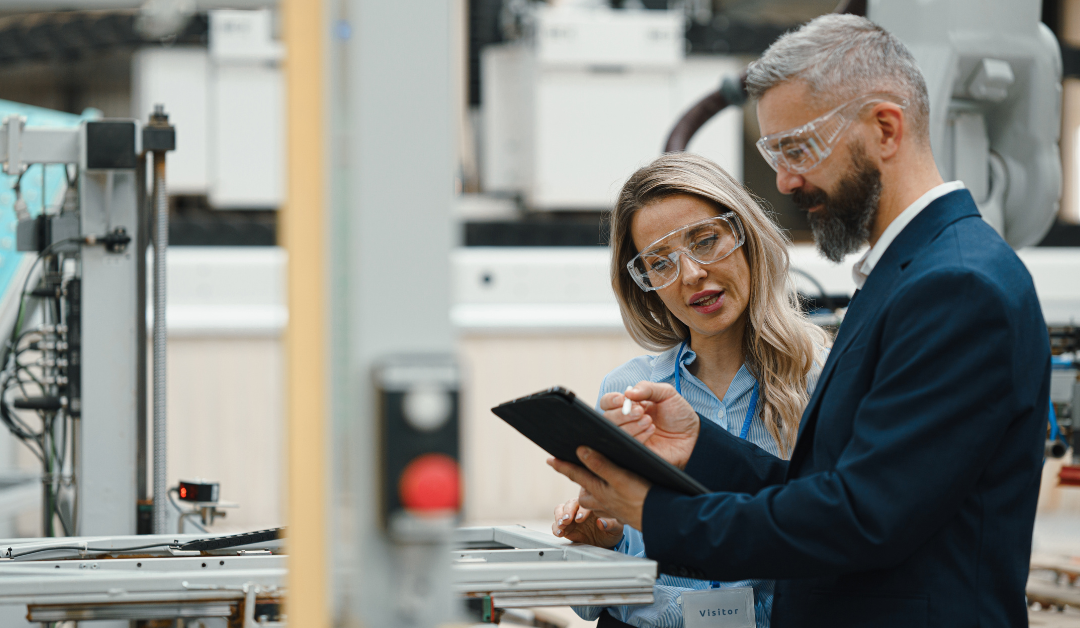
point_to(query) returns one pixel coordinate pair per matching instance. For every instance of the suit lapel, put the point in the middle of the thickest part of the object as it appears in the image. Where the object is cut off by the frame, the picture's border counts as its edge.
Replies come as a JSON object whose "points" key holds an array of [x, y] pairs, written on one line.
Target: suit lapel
{"points": [[923, 229]]}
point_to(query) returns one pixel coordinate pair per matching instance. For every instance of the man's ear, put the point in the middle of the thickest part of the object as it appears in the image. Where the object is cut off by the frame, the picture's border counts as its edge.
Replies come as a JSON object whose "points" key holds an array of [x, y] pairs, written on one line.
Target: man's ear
{"points": [[889, 122]]}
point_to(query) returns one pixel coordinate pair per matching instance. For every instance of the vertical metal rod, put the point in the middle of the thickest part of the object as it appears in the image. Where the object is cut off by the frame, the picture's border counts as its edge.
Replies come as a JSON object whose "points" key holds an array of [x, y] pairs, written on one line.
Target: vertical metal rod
{"points": [[142, 427], [161, 243]]}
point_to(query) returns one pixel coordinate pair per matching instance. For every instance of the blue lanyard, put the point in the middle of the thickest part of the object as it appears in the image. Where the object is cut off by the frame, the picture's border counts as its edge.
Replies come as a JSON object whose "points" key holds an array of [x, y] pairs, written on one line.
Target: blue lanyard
{"points": [[745, 431], [742, 433]]}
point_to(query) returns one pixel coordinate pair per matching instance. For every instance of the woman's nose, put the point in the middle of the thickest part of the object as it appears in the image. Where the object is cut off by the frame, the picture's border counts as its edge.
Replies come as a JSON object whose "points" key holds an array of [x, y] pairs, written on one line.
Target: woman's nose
{"points": [[691, 270], [787, 181]]}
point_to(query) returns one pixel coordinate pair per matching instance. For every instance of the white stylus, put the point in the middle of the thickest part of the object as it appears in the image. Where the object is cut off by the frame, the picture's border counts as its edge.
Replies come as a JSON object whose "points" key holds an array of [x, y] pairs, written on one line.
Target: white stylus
{"points": [[626, 404]]}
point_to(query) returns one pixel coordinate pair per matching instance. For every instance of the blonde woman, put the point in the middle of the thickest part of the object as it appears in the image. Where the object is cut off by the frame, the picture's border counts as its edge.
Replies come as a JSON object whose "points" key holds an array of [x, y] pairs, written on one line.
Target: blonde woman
{"points": [[701, 276]]}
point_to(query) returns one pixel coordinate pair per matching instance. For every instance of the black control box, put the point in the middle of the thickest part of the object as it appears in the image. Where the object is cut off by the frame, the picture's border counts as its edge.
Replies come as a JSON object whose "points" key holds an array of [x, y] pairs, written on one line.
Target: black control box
{"points": [[418, 399]]}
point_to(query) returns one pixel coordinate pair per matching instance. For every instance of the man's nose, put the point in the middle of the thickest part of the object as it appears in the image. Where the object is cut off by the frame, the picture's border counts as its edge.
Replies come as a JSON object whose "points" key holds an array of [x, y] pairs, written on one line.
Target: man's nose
{"points": [[787, 181], [691, 271]]}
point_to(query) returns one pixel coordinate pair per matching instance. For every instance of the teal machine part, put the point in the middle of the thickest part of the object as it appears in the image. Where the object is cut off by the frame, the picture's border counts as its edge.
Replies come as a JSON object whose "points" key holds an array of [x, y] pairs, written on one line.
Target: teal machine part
{"points": [[39, 183]]}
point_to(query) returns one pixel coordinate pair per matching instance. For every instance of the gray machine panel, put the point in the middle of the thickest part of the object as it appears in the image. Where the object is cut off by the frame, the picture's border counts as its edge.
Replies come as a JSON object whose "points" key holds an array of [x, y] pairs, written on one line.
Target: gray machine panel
{"points": [[107, 489]]}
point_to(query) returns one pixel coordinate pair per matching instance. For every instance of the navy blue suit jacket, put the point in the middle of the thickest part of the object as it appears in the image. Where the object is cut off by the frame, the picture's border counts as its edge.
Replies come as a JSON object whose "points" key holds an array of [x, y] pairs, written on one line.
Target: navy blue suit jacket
{"points": [[910, 496]]}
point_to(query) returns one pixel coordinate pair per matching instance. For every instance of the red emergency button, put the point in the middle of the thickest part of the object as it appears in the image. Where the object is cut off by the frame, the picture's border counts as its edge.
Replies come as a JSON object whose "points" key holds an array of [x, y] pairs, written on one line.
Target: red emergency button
{"points": [[1069, 476], [431, 482]]}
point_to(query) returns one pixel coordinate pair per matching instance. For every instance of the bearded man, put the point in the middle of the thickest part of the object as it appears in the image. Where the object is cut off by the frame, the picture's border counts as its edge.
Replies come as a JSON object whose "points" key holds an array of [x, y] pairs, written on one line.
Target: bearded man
{"points": [[910, 496]]}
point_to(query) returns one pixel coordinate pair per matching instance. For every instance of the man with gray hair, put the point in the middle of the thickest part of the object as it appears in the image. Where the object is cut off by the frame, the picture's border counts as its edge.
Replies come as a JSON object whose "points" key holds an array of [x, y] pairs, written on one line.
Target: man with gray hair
{"points": [[841, 65], [910, 496]]}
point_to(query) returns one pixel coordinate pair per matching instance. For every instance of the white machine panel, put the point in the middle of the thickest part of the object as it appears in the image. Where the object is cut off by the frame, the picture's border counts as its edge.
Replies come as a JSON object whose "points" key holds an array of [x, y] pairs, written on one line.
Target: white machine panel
{"points": [[566, 138], [602, 37], [243, 36], [592, 129], [525, 289], [227, 103], [507, 106], [499, 289], [177, 77], [247, 153]]}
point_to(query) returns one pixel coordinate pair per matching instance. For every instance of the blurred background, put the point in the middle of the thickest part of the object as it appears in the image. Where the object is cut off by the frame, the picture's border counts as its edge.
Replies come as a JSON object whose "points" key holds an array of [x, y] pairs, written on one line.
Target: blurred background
{"points": [[551, 105]]}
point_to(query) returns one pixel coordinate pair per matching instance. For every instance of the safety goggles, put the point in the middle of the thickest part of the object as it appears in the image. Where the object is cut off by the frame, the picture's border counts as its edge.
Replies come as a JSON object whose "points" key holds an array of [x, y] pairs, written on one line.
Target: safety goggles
{"points": [[801, 149], [706, 242]]}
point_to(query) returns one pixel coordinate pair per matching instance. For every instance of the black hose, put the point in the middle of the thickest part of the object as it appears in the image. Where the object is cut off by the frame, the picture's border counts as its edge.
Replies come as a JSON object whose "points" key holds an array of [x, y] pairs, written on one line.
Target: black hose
{"points": [[732, 92], [852, 7]]}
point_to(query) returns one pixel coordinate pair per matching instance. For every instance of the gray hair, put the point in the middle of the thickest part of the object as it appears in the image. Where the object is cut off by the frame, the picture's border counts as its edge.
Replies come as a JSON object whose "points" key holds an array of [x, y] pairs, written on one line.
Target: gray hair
{"points": [[840, 57]]}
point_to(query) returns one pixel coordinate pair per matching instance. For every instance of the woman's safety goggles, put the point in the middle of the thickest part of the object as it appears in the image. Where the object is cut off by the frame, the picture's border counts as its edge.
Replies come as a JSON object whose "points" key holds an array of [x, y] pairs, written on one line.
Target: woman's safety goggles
{"points": [[801, 149], [706, 242]]}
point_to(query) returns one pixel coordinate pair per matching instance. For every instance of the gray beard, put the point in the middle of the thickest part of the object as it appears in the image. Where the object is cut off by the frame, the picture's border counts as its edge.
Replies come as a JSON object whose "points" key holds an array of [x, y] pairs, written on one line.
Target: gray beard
{"points": [[843, 224]]}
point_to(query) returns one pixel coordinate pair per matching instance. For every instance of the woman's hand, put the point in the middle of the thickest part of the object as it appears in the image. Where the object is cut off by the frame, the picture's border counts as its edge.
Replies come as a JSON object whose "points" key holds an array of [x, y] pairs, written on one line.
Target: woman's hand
{"points": [[582, 525], [659, 417]]}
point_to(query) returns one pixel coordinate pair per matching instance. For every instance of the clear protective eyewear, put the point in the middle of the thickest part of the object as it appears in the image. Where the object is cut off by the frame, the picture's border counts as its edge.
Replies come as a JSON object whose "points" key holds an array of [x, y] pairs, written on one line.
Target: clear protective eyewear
{"points": [[803, 148], [705, 241]]}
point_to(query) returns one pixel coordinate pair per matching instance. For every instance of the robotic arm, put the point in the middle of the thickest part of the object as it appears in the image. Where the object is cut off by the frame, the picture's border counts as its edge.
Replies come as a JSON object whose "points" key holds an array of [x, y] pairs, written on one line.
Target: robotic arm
{"points": [[993, 71]]}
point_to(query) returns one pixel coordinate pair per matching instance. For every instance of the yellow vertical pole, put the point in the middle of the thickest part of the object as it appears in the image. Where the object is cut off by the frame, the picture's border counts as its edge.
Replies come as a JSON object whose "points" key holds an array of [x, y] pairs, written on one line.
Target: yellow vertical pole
{"points": [[303, 233]]}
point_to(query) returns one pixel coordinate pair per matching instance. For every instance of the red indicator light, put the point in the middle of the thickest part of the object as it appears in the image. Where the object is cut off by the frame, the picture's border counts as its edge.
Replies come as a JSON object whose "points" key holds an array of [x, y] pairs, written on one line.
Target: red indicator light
{"points": [[431, 482], [183, 492]]}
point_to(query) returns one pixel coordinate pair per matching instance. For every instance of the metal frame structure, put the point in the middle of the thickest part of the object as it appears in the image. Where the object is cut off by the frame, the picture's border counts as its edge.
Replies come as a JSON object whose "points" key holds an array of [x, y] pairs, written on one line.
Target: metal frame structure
{"points": [[519, 568], [141, 584], [110, 320], [507, 567]]}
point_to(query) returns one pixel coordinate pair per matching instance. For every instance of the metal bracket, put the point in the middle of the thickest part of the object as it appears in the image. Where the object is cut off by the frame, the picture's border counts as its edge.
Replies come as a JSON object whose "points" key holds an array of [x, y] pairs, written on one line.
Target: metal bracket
{"points": [[176, 551], [14, 126]]}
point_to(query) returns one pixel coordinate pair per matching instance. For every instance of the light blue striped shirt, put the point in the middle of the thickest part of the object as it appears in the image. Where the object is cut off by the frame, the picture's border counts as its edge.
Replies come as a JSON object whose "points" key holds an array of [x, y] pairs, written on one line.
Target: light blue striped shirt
{"points": [[729, 413]]}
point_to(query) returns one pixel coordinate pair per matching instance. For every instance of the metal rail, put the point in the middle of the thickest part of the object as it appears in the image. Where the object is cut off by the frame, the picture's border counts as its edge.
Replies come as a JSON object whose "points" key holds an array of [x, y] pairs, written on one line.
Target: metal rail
{"points": [[161, 244]]}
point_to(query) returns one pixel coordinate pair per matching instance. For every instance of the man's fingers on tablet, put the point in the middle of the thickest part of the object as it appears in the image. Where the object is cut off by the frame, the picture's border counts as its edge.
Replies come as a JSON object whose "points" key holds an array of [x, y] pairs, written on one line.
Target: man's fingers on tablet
{"points": [[593, 460], [578, 475], [601, 467]]}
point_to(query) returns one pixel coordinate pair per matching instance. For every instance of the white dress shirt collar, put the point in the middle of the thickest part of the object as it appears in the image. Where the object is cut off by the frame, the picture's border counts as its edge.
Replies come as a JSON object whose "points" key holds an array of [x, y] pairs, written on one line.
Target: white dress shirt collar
{"points": [[866, 263]]}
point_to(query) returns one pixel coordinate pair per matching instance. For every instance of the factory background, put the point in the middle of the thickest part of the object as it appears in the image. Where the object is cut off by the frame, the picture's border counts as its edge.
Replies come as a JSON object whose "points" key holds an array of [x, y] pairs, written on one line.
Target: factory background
{"points": [[545, 133]]}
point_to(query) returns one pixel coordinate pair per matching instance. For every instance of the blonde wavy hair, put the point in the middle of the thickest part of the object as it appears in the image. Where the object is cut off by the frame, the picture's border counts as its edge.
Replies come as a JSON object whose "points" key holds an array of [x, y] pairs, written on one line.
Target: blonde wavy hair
{"points": [[781, 345]]}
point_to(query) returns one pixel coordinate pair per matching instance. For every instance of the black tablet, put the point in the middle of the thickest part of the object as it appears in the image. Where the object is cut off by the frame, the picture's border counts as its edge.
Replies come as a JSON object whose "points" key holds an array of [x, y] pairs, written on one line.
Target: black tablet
{"points": [[559, 422]]}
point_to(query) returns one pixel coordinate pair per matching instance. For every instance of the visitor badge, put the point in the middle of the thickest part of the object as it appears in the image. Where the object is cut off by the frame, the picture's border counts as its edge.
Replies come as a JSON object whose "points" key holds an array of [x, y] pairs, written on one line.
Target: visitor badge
{"points": [[719, 608]]}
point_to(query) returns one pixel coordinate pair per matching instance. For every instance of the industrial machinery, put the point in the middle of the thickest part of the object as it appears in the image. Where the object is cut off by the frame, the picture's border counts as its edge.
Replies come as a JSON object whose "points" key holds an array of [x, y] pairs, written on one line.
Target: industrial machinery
{"points": [[994, 80], [1065, 401], [74, 385], [76, 357]]}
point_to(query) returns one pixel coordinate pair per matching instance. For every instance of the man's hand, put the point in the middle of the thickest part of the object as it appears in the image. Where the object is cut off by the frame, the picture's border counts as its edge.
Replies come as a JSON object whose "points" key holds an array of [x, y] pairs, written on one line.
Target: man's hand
{"points": [[658, 417], [582, 525], [606, 487]]}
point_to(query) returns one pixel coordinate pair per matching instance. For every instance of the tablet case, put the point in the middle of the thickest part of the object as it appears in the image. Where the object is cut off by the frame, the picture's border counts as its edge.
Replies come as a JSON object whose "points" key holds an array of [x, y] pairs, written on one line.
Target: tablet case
{"points": [[559, 422]]}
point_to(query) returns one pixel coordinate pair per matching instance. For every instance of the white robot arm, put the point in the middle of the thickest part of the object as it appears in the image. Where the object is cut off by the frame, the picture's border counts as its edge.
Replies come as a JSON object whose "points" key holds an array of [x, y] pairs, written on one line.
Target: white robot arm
{"points": [[993, 71]]}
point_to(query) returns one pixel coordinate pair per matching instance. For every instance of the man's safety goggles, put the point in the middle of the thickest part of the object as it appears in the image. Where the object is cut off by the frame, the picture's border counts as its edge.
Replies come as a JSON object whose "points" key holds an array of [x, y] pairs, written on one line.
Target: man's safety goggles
{"points": [[801, 149], [706, 242]]}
